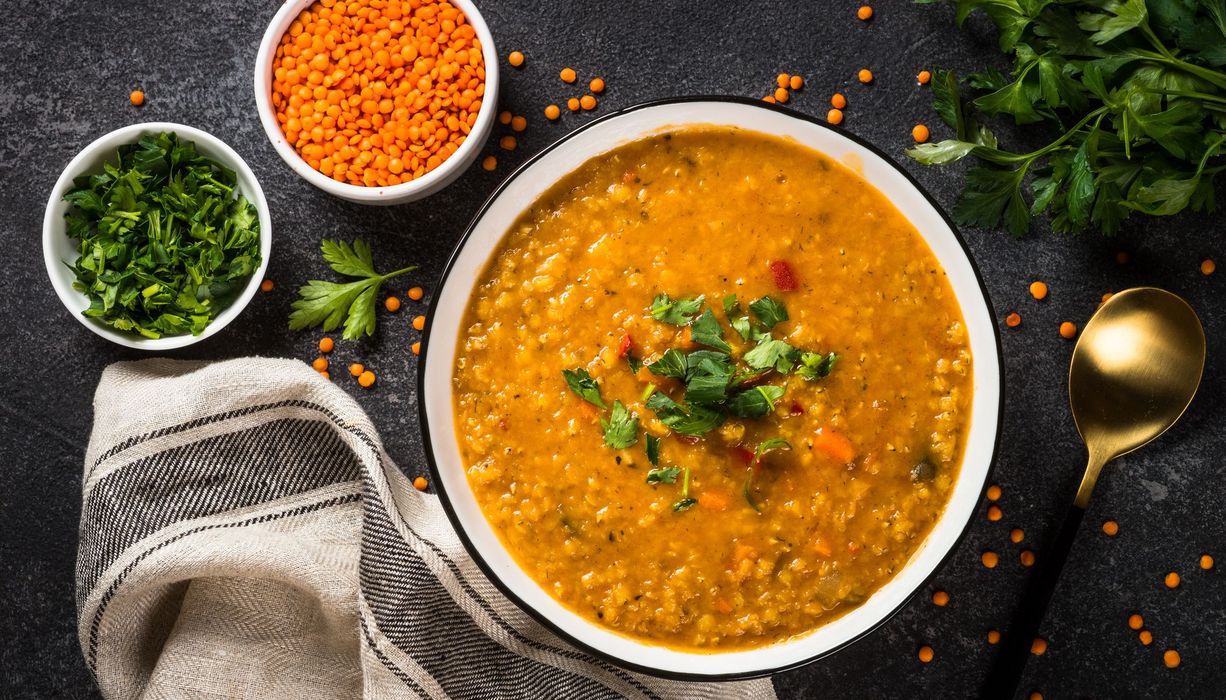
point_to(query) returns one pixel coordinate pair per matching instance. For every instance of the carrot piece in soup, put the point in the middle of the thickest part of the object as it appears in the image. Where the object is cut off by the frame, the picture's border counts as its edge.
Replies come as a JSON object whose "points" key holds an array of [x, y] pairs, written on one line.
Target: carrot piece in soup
{"points": [[835, 445]]}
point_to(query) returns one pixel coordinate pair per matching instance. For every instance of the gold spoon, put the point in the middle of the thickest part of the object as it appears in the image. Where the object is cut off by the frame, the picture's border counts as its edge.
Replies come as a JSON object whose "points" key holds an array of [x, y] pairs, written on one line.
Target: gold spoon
{"points": [[1134, 371]]}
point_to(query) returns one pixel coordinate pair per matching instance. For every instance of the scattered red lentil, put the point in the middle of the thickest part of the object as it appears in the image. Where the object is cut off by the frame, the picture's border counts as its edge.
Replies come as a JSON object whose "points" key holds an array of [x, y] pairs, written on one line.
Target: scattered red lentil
{"points": [[1146, 637], [994, 492], [587, 102], [835, 116], [1036, 695], [923, 78], [504, 117], [568, 75], [137, 98], [1170, 657], [1068, 330], [507, 143], [1111, 528], [326, 344], [989, 559], [1171, 580], [940, 598], [1207, 267], [1206, 562], [925, 654], [838, 101], [796, 82], [266, 286], [1038, 290], [416, 293], [519, 123], [356, 369], [516, 59], [596, 85], [1016, 535], [1026, 557], [1039, 646], [769, 99], [994, 513], [1135, 621], [320, 364], [993, 637], [573, 104], [1106, 296], [419, 322], [781, 95], [919, 132], [865, 13], [1013, 320], [782, 79], [416, 348], [366, 379], [325, 375], [489, 163], [392, 304], [865, 76], [552, 112], [420, 483]]}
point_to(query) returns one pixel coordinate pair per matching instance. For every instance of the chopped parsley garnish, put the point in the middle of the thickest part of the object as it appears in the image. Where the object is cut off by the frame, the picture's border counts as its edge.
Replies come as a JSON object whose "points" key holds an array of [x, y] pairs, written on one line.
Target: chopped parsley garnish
{"points": [[685, 503], [584, 385], [653, 449], [814, 365], [621, 430], [678, 312], [755, 402], [706, 331], [771, 353], [762, 448], [666, 475], [635, 363], [690, 420], [671, 364], [771, 312]]}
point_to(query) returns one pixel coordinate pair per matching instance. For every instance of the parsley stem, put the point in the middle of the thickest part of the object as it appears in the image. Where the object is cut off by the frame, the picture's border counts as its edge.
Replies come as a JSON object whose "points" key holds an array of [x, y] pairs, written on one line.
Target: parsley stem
{"points": [[685, 484], [647, 392], [397, 273]]}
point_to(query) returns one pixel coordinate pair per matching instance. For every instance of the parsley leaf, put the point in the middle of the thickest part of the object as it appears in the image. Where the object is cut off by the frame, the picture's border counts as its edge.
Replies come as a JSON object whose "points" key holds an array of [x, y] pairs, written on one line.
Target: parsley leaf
{"points": [[666, 475], [671, 364], [653, 449], [635, 363], [755, 402], [621, 430], [327, 304], [678, 312], [584, 385], [690, 420], [769, 311], [772, 353], [814, 365], [706, 331]]}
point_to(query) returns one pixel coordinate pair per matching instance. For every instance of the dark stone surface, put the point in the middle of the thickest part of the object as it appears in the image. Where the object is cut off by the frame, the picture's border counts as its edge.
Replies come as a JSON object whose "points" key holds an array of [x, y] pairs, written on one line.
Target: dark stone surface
{"points": [[67, 68]]}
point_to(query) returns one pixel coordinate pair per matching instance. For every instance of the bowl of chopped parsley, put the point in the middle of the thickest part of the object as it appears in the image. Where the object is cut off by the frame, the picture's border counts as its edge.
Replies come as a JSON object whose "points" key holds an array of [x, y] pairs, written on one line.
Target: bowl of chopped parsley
{"points": [[156, 236]]}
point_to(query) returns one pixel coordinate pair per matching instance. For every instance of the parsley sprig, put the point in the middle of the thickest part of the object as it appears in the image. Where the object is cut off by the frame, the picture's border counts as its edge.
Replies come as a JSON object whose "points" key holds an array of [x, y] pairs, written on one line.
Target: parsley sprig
{"points": [[1133, 92], [327, 304]]}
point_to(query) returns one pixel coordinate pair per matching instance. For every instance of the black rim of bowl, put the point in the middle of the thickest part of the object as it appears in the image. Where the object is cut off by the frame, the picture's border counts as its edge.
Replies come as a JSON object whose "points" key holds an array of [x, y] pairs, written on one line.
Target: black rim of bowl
{"points": [[540, 617]]}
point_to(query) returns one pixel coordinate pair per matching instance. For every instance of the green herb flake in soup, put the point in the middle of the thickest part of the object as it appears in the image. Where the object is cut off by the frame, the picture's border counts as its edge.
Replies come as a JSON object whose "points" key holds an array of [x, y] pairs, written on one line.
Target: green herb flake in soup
{"points": [[783, 342]]}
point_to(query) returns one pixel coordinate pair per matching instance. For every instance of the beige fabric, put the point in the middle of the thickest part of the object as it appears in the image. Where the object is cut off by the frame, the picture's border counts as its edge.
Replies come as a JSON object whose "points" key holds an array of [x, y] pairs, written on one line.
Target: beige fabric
{"points": [[243, 535]]}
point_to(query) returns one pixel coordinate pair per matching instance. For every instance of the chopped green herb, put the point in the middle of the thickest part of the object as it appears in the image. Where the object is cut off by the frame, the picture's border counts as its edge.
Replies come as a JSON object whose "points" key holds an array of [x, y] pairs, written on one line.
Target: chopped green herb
{"points": [[653, 449], [164, 242], [745, 328], [684, 505], [326, 304], [755, 402], [762, 448], [699, 362], [678, 312], [772, 353], [768, 445], [584, 385], [647, 392], [692, 420], [731, 306], [769, 311], [621, 430], [635, 363], [671, 364], [814, 366], [706, 331], [666, 475], [686, 502]]}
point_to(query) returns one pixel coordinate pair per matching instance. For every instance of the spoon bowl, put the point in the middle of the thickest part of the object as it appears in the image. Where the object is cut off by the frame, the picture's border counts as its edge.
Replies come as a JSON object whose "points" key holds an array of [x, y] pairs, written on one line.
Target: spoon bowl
{"points": [[1134, 372]]}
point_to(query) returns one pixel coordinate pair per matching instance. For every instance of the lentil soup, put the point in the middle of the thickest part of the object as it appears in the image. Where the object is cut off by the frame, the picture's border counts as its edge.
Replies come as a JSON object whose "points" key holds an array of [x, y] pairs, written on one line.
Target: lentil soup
{"points": [[712, 390]]}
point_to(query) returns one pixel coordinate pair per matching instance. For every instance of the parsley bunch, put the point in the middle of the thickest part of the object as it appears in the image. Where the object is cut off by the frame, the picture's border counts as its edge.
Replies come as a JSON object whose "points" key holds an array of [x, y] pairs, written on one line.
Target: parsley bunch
{"points": [[1131, 91], [164, 243]]}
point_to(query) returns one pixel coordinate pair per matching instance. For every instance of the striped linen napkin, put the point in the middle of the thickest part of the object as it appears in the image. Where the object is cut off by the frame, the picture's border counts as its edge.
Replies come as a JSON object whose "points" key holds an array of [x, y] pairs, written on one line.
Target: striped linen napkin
{"points": [[244, 535]]}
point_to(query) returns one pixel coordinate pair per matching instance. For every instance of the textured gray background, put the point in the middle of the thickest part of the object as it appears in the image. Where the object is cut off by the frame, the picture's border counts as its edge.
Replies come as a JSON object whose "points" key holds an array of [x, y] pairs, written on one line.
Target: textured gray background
{"points": [[67, 68]]}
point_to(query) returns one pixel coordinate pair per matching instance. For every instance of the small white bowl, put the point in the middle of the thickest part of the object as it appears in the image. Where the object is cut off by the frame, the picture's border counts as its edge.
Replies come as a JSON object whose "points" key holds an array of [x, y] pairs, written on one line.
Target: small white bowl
{"points": [[483, 237], [427, 184], [59, 250]]}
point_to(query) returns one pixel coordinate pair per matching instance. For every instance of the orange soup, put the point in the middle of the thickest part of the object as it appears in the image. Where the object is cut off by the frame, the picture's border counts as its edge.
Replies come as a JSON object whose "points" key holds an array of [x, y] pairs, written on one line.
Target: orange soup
{"points": [[712, 389]]}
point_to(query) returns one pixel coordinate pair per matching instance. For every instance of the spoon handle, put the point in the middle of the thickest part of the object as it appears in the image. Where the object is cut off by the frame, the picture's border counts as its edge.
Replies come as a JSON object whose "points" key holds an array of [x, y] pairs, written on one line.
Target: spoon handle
{"points": [[1007, 670]]}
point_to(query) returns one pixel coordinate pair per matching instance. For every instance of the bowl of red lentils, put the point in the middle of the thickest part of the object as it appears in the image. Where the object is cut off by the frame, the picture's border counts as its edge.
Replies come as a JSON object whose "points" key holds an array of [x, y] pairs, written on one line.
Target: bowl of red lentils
{"points": [[377, 101]]}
